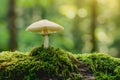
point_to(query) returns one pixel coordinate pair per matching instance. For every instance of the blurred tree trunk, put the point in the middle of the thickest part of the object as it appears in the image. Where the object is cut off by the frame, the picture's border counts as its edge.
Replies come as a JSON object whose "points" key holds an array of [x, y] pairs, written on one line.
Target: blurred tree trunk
{"points": [[41, 8], [93, 26], [76, 33], [11, 26], [43, 13]]}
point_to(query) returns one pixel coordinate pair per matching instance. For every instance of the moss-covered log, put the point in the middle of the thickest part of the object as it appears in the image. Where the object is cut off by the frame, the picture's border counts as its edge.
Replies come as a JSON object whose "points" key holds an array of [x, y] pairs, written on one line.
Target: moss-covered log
{"points": [[56, 64]]}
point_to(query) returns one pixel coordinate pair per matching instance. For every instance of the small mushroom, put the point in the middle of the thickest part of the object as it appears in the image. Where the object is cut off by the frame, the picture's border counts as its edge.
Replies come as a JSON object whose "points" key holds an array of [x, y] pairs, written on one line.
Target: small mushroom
{"points": [[44, 27]]}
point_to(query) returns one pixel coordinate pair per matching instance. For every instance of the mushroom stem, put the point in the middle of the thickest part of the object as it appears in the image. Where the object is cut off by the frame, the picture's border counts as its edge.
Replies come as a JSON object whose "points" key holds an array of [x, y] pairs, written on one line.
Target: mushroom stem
{"points": [[46, 41]]}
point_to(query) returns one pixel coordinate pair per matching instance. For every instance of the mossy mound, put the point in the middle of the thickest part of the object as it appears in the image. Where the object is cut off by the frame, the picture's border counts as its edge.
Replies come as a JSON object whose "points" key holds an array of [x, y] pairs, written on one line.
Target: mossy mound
{"points": [[103, 66], [58, 63], [40, 64]]}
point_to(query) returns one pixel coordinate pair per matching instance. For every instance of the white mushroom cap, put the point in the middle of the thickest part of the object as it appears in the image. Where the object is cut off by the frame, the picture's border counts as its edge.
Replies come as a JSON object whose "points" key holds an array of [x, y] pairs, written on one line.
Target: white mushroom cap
{"points": [[44, 26]]}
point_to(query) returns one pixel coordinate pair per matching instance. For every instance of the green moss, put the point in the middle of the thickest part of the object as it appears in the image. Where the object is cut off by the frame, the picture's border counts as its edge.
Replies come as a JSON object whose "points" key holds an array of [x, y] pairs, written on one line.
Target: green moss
{"points": [[40, 64], [56, 64], [103, 66]]}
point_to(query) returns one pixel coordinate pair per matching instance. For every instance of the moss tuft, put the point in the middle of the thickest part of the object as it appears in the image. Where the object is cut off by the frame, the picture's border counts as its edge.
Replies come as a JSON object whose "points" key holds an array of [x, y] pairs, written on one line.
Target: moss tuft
{"points": [[59, 63]]}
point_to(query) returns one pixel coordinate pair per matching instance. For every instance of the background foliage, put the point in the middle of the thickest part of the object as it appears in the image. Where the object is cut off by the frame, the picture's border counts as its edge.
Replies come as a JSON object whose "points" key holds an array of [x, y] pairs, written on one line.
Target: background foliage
{"points": [[88, 24]]}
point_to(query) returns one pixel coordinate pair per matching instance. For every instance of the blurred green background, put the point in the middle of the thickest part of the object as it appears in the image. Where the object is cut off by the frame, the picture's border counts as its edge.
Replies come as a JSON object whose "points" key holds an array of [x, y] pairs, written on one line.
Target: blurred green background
{"points": [[90, 25]]}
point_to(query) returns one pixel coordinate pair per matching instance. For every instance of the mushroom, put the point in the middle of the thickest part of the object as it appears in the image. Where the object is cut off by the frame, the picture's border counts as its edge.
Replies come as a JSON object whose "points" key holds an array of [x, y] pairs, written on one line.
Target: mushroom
{"points": [[44, 27]]}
